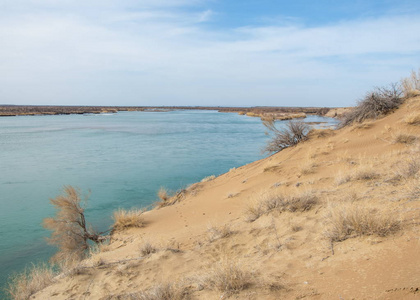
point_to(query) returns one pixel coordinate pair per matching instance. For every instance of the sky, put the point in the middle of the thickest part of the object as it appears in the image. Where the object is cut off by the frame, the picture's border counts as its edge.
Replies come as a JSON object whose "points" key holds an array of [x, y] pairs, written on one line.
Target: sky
{"points": [[204, 52]]}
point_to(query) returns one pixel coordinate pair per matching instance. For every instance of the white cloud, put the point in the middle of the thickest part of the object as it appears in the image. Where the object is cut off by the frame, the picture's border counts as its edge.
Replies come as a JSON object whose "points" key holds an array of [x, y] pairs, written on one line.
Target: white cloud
{"points": [[152, 54]]}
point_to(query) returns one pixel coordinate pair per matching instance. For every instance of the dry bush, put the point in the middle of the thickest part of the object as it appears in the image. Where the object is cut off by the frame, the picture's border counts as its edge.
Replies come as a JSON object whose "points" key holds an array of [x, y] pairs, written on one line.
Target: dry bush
{"points": [[70, 231], [413, 119], [403, 138], [353, 220], [163, 194], [409, 170], [23, 285], [226, 276], [294, 133], [166, 199], [379, 102], [216, 233], [208, 178], [269, 203], [163, 291], [365, 175], [147, 249], [124, 219], [411, 84]]}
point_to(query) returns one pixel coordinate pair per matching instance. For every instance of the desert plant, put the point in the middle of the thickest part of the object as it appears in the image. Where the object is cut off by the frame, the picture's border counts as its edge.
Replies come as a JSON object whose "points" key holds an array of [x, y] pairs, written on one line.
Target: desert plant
{"points": [[411, 84], [125, 219], [413, 119], [162, 291], [403, 138], [356, 221], [147, 249], [216, 233], [294, 133], [380, 101], [208, 178], [21, 286], [70, 231], [226, 276]]}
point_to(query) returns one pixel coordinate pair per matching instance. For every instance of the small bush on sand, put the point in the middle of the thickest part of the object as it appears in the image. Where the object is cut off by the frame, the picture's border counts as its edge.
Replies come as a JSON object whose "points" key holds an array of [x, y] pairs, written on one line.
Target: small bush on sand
{"points": [[269, 203], [22, 286], [208, 178], [379, 102], [357, 221], [146, 249], [294, 133], [413, 119], [411, 84], [70, 231], [403, 138], [162, 291], [226, 276], [216, 233], [124, 219]]}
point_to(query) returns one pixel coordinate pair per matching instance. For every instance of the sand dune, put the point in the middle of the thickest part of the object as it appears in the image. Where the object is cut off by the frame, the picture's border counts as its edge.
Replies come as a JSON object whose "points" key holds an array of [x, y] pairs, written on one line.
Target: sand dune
{"points": [[276, 228]]}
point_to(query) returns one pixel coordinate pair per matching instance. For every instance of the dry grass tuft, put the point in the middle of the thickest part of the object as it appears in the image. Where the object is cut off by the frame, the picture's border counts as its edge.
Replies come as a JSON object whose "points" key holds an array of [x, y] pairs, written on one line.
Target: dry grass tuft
{"points": [[365, 175], [124, 219], [208, 178], [413, 119], [22, 286], [147, 249], [216, 233], [353, 221], [405, 139], [411, 84], [226, 276], [163, 194], [269, 203], [163, 291], [408, 170]]}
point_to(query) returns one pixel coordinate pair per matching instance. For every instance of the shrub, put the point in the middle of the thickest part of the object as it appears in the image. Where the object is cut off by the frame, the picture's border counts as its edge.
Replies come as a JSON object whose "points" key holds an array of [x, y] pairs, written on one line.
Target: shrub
{"points": [[356, 221], [216, 233], [125, 219], [380, 101], [294, 133], [403, 138], [70, 231], [411, 84], [22, 286], [413, 119], [147, 249], [227, 276]]}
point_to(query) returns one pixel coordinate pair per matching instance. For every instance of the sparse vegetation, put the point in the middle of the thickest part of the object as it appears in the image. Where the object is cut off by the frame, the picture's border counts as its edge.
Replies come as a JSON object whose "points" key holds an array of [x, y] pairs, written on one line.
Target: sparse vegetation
{"points": [[413, 119], [208, 178], [216, 233], [411, 84], [21, 286], [378, 102], [294, 133], [353, 220], [269, 203], [227, 276], [147, 249], [70, 231], [162, 291], [124, 219], [403, 138]]}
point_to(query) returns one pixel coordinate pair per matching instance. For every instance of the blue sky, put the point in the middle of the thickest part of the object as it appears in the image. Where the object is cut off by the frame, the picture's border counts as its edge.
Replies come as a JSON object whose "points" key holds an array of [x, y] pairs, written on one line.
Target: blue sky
{"points": [[204, 52]]}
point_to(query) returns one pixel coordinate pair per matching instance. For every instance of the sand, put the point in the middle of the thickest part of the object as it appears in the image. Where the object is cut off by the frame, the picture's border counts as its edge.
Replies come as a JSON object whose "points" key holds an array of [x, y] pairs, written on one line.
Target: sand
{"points": [[286, 253]]}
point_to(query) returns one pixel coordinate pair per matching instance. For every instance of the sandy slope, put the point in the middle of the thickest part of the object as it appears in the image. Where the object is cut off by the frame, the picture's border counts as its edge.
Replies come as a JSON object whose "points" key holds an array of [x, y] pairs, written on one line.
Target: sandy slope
{"points": [[288, 254]]}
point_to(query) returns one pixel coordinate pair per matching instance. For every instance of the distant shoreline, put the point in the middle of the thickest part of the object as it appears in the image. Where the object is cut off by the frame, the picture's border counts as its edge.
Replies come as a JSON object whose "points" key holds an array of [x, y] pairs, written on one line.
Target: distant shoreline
{"points": [[282, 113]]}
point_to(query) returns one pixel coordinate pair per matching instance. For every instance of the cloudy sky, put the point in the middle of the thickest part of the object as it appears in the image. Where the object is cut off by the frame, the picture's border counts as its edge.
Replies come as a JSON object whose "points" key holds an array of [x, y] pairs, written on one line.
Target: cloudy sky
{"points": [[204, 52]]}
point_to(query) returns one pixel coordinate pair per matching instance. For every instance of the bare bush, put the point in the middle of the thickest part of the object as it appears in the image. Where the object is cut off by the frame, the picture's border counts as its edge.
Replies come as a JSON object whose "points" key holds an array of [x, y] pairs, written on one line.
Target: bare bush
{"points": [[380, 101], [356, 221], [125, 219], [23, 285], [294, 133], [70, 231]]}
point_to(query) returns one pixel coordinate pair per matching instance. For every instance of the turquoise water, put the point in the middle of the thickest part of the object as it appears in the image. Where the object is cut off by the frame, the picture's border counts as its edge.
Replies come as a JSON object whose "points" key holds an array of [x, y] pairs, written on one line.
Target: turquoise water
{"points": [[123, 159]]}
